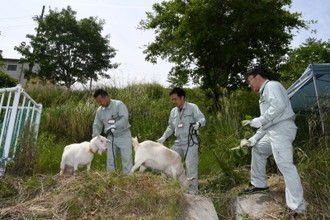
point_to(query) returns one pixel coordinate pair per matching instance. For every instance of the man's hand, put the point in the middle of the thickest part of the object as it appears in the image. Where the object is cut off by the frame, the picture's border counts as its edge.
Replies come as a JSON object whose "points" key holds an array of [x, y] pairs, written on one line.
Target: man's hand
{"points": [[111, 129], [161, 140], [252, 142], [196, 126], [256, 123]]}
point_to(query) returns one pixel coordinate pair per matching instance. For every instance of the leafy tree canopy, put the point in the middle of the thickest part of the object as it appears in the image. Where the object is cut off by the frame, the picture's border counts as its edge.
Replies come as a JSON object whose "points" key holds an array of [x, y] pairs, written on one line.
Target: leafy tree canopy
{"points": [[312, 51], [68, 50], [213, 42]]}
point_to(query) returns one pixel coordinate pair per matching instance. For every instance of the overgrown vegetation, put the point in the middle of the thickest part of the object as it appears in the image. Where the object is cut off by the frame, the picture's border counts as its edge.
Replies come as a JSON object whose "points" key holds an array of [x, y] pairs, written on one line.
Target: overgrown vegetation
{"points": [[90, 196], [25, 161], [68, 116]]}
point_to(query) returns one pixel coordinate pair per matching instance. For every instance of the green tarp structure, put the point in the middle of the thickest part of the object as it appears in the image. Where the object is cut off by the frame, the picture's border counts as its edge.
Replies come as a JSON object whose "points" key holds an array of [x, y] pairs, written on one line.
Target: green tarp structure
{"points": [[310, 94]]}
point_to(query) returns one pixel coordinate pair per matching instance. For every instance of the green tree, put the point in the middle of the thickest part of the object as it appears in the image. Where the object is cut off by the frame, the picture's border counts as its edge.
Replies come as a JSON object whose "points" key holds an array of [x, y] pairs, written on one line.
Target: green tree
{"points": [[213, 42], [312, 51], [5, 80], [68, 50]]}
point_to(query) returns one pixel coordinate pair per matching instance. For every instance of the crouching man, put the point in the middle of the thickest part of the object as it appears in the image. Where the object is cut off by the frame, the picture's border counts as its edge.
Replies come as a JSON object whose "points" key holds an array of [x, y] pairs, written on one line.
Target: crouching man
{"points": [[185, 119], [112, 118]]}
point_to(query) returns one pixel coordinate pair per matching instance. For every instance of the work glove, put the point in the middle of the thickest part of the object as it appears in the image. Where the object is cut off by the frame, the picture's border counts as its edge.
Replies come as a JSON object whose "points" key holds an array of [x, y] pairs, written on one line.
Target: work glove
{"points": [[196, 126], [252, 142], [161, 140], [111, 128], [256, 123]]}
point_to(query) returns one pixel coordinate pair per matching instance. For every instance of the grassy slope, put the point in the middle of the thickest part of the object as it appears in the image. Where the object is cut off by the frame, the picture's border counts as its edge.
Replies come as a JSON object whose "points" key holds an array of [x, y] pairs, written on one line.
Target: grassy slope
{"points": [[95, 195], [67, 118]]}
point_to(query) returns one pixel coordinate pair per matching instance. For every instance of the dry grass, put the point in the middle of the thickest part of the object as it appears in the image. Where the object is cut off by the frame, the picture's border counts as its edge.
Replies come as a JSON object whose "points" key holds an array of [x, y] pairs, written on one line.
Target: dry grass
{"points": [[90, 196]]}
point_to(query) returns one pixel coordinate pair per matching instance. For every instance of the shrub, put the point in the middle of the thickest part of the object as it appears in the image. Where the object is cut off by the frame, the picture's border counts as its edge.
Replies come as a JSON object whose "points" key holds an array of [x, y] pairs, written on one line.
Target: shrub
{"points": [[6, 81]]}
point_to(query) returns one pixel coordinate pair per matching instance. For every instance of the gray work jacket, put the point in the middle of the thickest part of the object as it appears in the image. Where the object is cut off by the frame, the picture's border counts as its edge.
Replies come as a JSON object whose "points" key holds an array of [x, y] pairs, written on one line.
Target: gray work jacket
{"points": [[116, 114], [274, 104], [179, 122]]}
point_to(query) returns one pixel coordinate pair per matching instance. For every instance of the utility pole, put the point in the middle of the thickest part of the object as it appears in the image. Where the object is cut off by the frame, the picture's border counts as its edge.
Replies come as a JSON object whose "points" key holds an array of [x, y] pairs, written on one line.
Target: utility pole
{"points": [[41, 17]]}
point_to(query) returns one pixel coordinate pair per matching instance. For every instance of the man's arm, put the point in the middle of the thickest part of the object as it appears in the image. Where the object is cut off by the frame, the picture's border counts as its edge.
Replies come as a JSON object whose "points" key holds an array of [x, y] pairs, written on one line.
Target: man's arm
{"points": [[199, 116], [122, 120], [170, 129]]}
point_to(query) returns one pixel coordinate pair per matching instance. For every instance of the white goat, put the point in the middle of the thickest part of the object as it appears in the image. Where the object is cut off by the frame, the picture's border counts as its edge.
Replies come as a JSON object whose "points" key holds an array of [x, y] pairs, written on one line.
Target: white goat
{"points": [[150, 154], [81, 154]]}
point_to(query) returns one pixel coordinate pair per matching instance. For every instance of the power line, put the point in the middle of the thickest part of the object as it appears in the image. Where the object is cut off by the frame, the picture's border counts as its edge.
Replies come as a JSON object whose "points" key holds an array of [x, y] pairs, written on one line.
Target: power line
{"points": [[10, 18], [14, 26], [14, 22]]}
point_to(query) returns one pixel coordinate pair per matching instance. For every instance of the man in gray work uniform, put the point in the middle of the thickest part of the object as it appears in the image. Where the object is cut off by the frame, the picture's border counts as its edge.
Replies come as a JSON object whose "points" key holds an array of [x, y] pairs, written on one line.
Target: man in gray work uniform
{"points": [[275, 134], [181, 117], [112, 117]]}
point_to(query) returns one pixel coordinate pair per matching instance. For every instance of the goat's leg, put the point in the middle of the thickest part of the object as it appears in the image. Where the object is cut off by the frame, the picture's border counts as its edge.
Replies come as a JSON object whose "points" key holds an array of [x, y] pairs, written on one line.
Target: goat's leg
{"points": [[136, 166], [88, 167], [142, 168], [173, 172], [62, 167], [75, 168]]}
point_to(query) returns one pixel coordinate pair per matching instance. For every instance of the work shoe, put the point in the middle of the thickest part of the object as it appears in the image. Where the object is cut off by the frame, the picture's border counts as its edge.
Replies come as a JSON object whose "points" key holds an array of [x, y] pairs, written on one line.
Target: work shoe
{"points": [[290, 214], [192, 192], [254, 189]]}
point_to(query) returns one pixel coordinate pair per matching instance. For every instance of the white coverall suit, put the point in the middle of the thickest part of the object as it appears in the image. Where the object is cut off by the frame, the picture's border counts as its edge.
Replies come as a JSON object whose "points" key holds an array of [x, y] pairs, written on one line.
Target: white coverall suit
{"points": [[179, 122], [275, 136], [115, 114]]}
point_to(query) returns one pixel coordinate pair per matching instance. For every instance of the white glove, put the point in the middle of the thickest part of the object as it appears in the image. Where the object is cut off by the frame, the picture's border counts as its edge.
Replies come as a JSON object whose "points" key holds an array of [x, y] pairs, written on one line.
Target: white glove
{"points": [[161, 140], [111, 129], [252, 141], [196, 125], [256, 123]]}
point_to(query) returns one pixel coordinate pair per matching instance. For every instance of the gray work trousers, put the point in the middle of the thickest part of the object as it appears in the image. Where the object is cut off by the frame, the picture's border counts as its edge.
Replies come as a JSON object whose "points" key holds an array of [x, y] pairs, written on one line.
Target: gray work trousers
{"points": [[278, 142], [191, 163], [124, 144]]}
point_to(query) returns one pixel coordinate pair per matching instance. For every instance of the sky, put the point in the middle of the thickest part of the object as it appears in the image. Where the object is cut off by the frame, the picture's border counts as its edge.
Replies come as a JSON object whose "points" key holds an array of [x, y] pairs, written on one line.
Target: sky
{"points": [[121, 20]]}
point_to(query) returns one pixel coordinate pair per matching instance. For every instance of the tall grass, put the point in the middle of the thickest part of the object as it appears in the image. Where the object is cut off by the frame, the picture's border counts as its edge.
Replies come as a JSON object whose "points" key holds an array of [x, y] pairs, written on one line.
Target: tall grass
{"points": [[25, 158], [71, 121]]}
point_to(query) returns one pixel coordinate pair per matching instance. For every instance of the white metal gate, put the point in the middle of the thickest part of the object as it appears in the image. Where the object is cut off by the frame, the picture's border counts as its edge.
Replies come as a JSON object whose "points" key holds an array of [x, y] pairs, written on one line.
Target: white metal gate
{"points": [[17, 110]]}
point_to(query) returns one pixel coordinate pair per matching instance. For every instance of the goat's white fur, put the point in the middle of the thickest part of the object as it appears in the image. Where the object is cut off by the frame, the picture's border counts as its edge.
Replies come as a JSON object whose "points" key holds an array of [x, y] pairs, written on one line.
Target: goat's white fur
{"points": [[81, 154], [150, 154]]}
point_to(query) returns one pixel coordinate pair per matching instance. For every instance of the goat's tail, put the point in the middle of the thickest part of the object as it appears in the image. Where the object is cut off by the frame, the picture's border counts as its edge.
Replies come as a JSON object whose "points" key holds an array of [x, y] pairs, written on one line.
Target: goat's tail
{"points": [[135, 143]]}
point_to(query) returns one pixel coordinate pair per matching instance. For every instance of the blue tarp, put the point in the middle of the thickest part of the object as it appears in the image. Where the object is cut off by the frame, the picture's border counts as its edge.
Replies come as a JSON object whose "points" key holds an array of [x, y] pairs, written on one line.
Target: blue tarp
{"points": [[311, 92]]}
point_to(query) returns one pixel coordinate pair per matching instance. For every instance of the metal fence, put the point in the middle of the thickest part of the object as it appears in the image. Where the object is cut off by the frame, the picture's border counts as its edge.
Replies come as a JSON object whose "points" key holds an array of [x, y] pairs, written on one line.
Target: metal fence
{"points": [[17, 111]]}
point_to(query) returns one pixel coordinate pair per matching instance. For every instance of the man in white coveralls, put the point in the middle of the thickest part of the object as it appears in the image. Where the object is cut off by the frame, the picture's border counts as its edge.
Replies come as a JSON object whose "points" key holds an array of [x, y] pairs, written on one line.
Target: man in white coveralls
{"points": [[184, 120], [112, 118], [275, 134]]}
